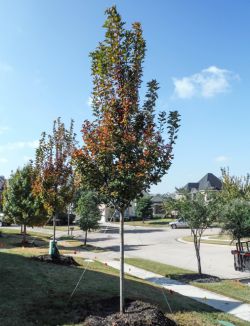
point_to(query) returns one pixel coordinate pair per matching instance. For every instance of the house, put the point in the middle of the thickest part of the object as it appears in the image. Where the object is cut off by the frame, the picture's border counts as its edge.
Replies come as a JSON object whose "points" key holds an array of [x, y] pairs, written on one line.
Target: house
{"points": [[108, 213], [208, 183]]}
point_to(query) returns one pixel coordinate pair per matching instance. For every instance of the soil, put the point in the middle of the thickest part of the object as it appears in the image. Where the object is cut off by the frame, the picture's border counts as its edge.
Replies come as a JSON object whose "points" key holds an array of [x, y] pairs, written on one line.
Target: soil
{"points": [[60, 260], [199, 278], [137, 313]]}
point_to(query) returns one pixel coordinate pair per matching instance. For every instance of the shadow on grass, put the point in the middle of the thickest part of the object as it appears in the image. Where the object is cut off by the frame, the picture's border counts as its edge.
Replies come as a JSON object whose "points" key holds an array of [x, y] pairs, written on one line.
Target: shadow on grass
{"points": [[14, 240], [81, 247], [38, 293]]}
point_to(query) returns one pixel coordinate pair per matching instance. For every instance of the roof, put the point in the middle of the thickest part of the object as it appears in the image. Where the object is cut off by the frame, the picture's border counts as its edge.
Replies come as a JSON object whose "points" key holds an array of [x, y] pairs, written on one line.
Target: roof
{"points": [[208, 182], [191, 185], [157, 199]]}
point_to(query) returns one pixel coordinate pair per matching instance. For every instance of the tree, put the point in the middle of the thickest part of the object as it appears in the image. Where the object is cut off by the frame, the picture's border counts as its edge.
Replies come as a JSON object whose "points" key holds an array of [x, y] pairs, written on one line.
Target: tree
{"points": [[234, 187], [236, 219], [199, 212], [55, 178], [19, 202], [144, 207], [169, 207], [235, 199], [124, 151], [89, 212]]}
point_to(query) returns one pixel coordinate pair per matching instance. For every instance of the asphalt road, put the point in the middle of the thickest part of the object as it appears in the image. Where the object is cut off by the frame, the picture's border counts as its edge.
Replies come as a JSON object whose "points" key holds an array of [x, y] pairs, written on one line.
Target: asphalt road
{"points": [[162, 245]]}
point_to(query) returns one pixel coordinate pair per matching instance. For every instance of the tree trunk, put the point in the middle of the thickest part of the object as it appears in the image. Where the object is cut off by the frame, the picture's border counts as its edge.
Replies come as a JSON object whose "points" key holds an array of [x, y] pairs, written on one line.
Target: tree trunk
{"points": [[122, 261], [54, 226], [56, 252], [24, 233], [85, 239], [21, 229], [240, 260], [197, 251]]}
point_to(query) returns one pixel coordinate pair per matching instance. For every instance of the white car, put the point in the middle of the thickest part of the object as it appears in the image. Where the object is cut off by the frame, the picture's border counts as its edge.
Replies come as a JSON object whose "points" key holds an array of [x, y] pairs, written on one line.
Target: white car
{"points": [[180, 223]]}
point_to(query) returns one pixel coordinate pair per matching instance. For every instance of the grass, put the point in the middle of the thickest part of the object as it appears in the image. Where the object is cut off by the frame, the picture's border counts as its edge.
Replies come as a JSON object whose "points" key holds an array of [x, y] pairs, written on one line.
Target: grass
{"points": [[230, 288], [217, 239], [62, 227], [161, 222], [38, 293], [39, 244]]}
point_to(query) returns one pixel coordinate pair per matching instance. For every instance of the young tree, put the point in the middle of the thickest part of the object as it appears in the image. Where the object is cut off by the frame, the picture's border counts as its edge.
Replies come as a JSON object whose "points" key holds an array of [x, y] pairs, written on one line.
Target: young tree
{"points": [[19, 202], [89, 212], [124, 151], [55, 178], [234, 187], [236, 219], [144, 207], [235, 199], [199, 213]]}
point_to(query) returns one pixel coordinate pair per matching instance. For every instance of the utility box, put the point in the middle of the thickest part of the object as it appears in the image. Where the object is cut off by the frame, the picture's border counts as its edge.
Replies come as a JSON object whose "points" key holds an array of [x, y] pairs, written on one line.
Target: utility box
{"points": [[52, 247]]}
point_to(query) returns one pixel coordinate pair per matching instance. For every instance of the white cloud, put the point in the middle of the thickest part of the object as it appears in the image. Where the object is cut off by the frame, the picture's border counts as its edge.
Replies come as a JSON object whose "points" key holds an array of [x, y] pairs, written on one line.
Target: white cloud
{"points": [[207, 83], [5, 67], [3, 129], [19, 145], [3, 160], [222, 158]]}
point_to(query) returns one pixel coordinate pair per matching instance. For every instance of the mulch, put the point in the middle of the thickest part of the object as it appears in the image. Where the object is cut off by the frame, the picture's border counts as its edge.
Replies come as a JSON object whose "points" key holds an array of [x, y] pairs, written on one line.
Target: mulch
{"points": [[59, 260], [137, 313], [199, 278]]}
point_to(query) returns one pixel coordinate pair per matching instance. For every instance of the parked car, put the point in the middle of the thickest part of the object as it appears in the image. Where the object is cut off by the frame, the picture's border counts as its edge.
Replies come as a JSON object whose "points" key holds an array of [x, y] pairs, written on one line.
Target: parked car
{"points": [[180, 223]]}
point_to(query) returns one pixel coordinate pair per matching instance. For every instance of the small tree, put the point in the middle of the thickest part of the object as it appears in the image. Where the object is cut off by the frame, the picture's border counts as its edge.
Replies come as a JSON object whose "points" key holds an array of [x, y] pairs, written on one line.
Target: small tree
{"points": [[236, 219], [199, 213], [88, 210], [55, 178], [144, 207], [235, 199], [19, 202], [124, 150]]}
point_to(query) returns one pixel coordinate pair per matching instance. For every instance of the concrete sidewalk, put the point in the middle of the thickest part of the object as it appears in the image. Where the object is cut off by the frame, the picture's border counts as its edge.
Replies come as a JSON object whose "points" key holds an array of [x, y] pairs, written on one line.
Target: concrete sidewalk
{"points": [[220, 302]]}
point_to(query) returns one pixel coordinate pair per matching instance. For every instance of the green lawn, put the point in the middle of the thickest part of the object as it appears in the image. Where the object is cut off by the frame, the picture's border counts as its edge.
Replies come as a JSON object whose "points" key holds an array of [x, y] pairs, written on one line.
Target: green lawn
{"points": [[38, 293], [233, 289], [218, 239], [161, 222], [62, 227]]}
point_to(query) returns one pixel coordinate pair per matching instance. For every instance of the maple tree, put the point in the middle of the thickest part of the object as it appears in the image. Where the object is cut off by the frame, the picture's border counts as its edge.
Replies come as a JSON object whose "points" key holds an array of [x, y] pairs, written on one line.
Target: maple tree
{"points": [[124, 151], [55, 174]]}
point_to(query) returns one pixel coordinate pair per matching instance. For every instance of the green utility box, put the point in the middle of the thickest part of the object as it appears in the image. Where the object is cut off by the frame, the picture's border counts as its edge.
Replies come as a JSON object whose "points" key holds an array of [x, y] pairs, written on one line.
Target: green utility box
{"points": [[52, 247]]}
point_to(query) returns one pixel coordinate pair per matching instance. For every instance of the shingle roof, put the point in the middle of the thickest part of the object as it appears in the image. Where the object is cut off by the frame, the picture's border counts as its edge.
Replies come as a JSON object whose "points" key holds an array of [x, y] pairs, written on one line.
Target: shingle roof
{"points": [[191, 185], [208, 182]]}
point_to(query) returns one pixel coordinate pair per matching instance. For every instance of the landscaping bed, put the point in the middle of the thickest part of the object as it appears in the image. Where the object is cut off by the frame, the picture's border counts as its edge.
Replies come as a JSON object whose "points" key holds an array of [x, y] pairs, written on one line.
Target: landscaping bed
{"points": [[59, 260], [137, 313]]}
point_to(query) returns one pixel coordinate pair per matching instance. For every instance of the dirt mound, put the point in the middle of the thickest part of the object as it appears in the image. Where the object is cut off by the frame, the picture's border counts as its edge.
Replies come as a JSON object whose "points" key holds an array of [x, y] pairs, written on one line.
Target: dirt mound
{"points": [[137, 313], [60, 260]]}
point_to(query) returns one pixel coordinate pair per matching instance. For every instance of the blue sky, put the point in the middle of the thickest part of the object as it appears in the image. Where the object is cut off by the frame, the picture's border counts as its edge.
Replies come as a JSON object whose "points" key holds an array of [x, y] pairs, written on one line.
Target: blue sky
{"points": [[197, 50]]}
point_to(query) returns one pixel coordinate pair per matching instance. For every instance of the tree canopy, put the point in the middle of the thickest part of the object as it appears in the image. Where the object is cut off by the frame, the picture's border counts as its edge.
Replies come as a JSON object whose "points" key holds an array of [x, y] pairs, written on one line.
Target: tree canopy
{"points": [[19, 202], [124, 150]]}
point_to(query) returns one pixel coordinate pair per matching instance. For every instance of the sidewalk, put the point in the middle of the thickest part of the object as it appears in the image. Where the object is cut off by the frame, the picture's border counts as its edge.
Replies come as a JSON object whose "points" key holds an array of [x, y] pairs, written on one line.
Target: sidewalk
{"points": [[220, 302]]}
